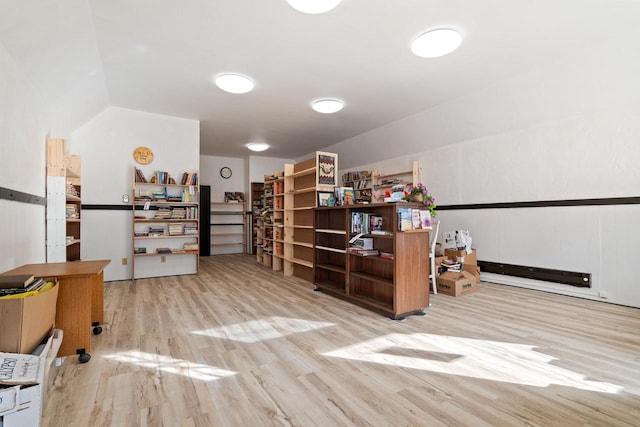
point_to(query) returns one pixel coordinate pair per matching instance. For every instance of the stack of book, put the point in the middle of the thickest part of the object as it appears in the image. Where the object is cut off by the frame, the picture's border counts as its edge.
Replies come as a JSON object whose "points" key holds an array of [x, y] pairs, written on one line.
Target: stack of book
{"points": [[139, 250], [163, 251], [178, 213], [19, 284], [156, 231], [176, 229], [386, 255], [72, 212], [363, 252], [163, 213], [190, 247], [190, 229]]}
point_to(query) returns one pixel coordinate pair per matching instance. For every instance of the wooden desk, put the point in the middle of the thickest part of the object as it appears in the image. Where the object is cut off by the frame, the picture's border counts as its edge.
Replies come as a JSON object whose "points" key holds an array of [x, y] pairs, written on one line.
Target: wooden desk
{"points": [[80, 301]]}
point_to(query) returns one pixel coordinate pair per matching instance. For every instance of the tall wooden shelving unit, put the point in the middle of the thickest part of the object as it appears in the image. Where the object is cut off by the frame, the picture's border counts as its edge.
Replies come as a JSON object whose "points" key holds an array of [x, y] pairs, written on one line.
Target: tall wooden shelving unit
{"points": [[394, 287], [228, 227], [267, 222], [257, 204], [303, 181], [360, 181], [63, 212], [165, 215], [278, 221], [384, 181]]}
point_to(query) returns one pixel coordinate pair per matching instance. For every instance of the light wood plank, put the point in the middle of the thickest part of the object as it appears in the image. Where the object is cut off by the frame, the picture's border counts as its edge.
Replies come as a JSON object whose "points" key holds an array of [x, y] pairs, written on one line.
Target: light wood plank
{"points": [[238, 344]]}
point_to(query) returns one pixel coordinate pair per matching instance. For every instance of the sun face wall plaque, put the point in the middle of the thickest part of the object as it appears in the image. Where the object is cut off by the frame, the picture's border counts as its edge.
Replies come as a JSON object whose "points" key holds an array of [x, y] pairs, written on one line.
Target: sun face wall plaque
{"points": [[143, 155]]}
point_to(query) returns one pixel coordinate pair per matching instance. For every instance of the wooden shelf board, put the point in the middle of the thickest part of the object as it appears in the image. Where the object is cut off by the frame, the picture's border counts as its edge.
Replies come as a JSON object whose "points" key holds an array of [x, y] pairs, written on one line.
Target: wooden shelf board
{"points": [[77, 241], [303, 172], [332, 287], [387, 175], [372, 278], [325, 248], [138, 220], [166, 236], [386, 307], [330, 231], [71, 198], [302, 190], [168, 254], [301, 262], [331, 267], [305, 244]]}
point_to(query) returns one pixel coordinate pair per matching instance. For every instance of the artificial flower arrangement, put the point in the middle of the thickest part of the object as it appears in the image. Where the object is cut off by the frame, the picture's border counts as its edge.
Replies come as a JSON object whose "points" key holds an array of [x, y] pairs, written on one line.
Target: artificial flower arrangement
{"points": [[419, 193]]}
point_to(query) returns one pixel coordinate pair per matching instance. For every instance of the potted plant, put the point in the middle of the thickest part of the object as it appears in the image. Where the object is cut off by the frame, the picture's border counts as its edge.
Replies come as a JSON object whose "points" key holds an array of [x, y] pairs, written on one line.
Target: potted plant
{"points": [[419, 193]]}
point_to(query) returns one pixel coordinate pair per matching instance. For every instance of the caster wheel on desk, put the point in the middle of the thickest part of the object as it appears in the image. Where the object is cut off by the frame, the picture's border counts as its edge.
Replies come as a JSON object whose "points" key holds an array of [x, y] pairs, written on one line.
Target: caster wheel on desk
{"points": [[84, 357], [97, 330]]}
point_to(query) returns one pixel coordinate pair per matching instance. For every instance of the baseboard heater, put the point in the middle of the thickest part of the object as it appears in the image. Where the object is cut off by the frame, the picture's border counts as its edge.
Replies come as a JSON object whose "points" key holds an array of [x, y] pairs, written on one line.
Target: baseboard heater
{"points": [[581, 280]]}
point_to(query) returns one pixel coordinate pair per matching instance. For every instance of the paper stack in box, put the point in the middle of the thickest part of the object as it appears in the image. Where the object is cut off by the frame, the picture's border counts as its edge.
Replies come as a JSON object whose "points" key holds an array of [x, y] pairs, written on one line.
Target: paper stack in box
{"points": [[461, 279]]}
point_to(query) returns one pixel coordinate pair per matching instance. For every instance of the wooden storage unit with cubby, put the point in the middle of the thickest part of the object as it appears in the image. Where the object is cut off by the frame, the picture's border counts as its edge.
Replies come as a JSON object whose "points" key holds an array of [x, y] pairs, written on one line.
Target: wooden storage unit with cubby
{"points": [[396, 285], [63, 203], [228, 228], [303, 181], [165, 225], [278, 221], [385, 181]]}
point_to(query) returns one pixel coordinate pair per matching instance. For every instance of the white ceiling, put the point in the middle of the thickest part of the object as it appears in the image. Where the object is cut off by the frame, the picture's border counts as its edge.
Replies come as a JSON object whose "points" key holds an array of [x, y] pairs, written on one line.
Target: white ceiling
{"points": [[160, 56]]}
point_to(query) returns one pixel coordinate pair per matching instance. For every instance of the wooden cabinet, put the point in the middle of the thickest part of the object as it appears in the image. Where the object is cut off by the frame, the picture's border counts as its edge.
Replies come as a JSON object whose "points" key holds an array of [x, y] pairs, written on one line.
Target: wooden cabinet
{"points": [[228, 227], [63, 203], [278, 222], [165, 225], [396, 285], [382, 182], [302, 182]]}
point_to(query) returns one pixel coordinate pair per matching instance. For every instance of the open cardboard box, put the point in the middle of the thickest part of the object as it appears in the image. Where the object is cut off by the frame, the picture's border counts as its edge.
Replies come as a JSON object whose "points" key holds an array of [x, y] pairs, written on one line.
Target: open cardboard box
{"points": [[26, 322], [21, 402], [456, 283]]}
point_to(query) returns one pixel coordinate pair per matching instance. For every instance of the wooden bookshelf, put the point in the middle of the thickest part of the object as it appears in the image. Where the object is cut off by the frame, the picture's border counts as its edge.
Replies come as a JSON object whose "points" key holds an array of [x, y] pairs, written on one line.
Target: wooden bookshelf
{"points": [[228, 228], [382, 181], [257, 204], [394, 287], [165, 224], [303, 181]]}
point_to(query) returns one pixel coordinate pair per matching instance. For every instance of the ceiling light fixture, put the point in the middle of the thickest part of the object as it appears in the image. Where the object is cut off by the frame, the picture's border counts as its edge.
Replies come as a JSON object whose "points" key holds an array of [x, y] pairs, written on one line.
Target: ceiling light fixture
{"points": [[234, 83], [435, 43], [257, 146], [327, 106], [313, 6]]}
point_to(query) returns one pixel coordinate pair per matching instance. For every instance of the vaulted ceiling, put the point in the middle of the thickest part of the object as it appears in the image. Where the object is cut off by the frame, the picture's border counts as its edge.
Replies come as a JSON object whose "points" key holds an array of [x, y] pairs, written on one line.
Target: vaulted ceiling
{"points": [[160, 56]]}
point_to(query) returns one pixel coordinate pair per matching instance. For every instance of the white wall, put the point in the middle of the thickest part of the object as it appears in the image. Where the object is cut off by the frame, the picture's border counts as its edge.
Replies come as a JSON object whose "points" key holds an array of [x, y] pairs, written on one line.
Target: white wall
{"points": [[24, 125], [567, 130], [106, 145]]}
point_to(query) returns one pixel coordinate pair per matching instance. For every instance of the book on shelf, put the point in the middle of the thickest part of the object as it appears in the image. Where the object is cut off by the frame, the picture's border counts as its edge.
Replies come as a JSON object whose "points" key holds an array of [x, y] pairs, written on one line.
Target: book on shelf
{"points": [[163, 251], [386, 255], [363, 252], [416, 223], [15, 281], [139, 250], [425, 218], [139, 176], [404, 219], [189, 178]]}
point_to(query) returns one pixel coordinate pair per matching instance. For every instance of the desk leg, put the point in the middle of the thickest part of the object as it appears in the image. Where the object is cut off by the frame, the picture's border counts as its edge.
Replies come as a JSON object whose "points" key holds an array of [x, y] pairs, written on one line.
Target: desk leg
{"points": [[97, 302], [73, 315]]}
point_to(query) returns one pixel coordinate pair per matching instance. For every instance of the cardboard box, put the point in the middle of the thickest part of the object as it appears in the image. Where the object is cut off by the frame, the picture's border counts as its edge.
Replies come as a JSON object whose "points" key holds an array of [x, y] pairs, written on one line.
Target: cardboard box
{"points": [[21, 405], [456, 284], [473, 269], [26, 322], [454, 254]]}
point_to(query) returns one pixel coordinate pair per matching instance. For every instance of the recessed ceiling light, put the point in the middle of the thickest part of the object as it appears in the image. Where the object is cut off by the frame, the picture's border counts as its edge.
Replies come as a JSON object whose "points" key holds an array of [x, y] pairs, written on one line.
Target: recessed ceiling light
{"points": [[257, 146], [234, 83], [327, 106], [435, 43], [313, 6]]}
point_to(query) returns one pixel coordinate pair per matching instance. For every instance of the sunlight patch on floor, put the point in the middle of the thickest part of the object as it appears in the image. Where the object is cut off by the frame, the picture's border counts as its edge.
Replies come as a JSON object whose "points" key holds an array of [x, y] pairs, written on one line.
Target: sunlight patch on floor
{"points": [[172, 366], [490, 360], [258, 330]]}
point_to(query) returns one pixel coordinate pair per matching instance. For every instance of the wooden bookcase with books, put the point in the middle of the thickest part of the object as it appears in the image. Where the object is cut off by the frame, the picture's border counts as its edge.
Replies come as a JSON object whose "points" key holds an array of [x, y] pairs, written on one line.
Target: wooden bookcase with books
{"points": [[266, 232], [360, 181], [383, 181], [303, 182], [257, 204], [165, 225], [394, 280], [278, 221]]}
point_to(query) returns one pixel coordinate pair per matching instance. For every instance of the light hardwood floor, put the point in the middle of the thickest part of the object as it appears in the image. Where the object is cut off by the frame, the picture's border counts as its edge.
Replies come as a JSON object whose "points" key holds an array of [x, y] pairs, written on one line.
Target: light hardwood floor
{"points": [[239, 345]]}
